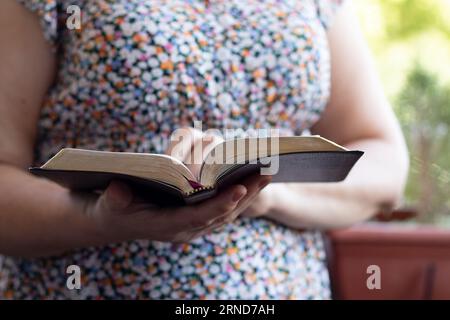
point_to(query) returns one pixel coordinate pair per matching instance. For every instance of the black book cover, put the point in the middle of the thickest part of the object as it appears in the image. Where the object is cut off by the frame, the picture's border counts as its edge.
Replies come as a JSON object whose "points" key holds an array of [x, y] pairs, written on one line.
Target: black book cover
{"points": [[324, 166]]}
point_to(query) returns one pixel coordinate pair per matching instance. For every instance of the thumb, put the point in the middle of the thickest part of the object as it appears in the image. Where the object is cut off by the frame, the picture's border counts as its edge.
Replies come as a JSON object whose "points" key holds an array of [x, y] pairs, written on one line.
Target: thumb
{"points": [[117, 197]]}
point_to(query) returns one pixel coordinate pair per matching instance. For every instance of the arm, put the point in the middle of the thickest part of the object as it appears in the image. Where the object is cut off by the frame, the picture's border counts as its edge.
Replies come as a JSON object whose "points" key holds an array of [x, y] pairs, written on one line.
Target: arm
{"points": [[38, 217], [29, 207], [358, 116]]}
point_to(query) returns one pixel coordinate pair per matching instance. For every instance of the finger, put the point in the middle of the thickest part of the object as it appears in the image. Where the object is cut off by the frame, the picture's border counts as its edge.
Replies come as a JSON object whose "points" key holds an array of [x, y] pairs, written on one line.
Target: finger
{"points": [[203, 215], [194, 154], [260, 205], [254, 186], [251, 210], [255, 183], [210, 142], [217, 222], [200, 151], [218, 214], [116, 198], [181, 143], [246, 205], [220, 225]]}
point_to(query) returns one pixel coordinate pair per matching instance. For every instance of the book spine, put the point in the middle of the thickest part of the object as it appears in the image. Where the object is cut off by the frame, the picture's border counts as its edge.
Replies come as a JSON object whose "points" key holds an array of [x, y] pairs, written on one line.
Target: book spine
{"points": [[199, 195], [198, 189], [195, 184]]}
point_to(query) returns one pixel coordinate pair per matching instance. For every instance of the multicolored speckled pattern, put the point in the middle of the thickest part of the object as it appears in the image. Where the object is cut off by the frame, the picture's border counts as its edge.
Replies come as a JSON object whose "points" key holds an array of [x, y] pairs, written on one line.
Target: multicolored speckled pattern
{"points": [[139, 69]]}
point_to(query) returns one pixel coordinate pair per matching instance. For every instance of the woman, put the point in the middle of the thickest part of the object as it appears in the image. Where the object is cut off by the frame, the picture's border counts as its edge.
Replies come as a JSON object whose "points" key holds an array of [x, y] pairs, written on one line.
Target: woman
{"points": [[136, 71]]}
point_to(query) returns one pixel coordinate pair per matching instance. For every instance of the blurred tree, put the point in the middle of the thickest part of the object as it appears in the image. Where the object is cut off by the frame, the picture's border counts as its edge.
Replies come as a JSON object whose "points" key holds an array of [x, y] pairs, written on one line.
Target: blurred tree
{"points": [[411, 43], [424, 107], [401, 32], [407, 18]]}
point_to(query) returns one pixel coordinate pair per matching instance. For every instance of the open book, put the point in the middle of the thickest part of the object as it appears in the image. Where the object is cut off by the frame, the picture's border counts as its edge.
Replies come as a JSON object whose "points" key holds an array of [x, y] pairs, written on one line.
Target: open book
{"points": [[165, 180]]}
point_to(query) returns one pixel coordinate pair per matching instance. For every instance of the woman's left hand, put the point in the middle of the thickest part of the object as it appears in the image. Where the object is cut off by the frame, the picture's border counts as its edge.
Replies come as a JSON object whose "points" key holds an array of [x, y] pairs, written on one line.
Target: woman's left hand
{"points": [[263, 204]]}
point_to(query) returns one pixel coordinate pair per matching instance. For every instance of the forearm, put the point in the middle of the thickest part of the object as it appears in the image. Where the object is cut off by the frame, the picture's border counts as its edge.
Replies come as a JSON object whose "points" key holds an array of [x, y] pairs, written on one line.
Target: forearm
{"points": [[39, 218], [375, 183]]}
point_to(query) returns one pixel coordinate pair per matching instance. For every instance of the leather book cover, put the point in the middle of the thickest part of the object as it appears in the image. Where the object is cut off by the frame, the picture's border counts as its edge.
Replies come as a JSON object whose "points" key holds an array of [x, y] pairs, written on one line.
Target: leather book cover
{"points": [[325, 166]]}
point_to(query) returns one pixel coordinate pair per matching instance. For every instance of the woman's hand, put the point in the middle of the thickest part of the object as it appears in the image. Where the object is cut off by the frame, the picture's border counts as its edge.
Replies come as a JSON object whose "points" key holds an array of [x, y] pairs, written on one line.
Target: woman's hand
{"points": [[191, 146], [264, 202], [120, 216]]}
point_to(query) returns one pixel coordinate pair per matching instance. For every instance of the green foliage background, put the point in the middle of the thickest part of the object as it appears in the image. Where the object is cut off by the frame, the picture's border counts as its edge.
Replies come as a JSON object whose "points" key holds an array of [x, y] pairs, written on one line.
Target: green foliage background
{"points": [[410, 41]]}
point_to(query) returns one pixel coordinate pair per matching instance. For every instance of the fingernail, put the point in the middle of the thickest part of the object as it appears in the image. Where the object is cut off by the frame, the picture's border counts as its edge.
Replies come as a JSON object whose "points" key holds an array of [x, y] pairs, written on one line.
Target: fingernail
{"points": [[238, 196]]}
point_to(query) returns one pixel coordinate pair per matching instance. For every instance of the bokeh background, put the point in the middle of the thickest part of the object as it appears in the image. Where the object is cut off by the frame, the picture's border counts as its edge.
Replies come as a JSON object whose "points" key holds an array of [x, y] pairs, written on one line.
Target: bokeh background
{"points": [[410, 41]]}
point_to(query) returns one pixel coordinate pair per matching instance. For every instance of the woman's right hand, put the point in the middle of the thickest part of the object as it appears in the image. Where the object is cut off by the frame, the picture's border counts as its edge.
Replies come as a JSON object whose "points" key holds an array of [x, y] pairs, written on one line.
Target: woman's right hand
{"points": [[119, 216]]}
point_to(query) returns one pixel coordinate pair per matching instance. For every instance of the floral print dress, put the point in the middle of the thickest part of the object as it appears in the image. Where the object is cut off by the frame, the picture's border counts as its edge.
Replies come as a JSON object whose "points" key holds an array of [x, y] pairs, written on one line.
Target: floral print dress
{"points": [[139, 69]]}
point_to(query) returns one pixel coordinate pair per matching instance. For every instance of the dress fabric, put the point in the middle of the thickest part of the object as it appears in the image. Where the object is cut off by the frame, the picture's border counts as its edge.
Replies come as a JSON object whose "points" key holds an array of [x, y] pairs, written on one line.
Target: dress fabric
{"points": [[139, 69]]}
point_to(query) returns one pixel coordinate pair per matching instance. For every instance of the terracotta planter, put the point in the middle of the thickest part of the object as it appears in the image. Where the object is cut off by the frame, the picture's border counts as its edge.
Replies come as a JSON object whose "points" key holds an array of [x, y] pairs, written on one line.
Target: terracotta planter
{"points": [[414, 262], [397, 215]]}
